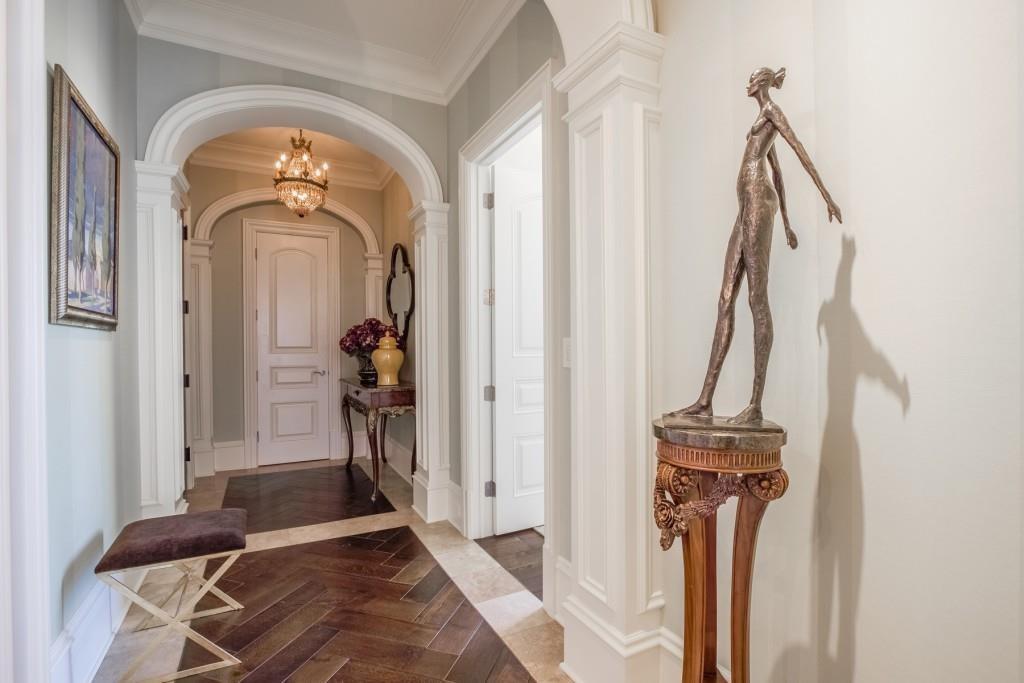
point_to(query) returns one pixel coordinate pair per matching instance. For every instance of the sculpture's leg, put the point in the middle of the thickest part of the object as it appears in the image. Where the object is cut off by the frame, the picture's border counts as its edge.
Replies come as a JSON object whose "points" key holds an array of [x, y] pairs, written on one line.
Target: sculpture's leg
{"points": [[383, 434], [346, 414], [756, 260], [726, 323], [371, 435]]}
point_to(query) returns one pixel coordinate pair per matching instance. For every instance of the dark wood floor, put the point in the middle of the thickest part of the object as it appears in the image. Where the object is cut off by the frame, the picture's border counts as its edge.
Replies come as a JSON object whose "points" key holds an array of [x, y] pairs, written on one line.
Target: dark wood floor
{"points": [[519, 553], [371, 608], [282, 500]]}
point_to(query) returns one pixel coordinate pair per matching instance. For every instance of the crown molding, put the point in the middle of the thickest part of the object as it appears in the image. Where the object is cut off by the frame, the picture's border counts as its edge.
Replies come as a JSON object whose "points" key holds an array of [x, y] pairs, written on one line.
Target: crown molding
{"points": [[233, 156], [216, 26]]}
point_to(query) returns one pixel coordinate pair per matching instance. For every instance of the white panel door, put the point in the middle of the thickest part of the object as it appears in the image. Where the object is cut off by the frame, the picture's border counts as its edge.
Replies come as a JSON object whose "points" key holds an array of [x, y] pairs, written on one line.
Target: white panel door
{"points": [[293, 347], [519, 340]]}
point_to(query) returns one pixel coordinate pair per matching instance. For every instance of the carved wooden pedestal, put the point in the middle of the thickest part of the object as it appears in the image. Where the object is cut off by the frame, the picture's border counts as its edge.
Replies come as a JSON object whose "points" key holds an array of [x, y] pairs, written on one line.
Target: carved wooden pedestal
{"points": [[702, 462]]}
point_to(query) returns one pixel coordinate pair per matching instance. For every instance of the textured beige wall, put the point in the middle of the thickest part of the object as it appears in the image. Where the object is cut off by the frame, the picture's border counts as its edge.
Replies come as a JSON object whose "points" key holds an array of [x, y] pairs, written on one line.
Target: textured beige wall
{"points": [[210, 184]]}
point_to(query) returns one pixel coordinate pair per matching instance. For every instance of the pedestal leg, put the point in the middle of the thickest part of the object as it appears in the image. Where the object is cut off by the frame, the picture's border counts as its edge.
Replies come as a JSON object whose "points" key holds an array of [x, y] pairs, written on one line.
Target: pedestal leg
{"points": [[346, 415], [371, 435], [760, 490], [383, 433], [698, 565], [710, 656]]}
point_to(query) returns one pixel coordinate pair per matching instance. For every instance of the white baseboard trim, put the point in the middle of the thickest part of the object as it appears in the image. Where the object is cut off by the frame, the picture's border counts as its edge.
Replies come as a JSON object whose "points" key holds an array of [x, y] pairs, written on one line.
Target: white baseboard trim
{"points": [[204, 461], [596, 650], [455, 514], [229, 455], [78, 651], [565, 576], [399, 457]]}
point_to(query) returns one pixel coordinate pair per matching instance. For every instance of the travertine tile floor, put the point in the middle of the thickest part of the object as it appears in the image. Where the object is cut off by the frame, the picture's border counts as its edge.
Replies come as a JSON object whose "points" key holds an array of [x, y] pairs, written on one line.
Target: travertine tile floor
{"points": [[514, 613]]}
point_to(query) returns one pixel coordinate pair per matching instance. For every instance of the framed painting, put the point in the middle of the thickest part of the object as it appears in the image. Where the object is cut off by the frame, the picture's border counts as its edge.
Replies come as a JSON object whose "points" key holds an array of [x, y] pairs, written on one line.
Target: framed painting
{"points": [[84, 212]]}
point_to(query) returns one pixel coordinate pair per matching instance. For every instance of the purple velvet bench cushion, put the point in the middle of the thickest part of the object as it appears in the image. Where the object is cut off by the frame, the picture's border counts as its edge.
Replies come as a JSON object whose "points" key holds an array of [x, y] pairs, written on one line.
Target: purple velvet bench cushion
{"points": [[177, 537]]}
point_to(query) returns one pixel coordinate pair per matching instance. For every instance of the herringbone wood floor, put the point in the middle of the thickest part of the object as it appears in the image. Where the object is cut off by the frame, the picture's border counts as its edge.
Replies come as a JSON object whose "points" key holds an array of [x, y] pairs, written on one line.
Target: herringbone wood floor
{"points": [[282, 500], [368, 608]]}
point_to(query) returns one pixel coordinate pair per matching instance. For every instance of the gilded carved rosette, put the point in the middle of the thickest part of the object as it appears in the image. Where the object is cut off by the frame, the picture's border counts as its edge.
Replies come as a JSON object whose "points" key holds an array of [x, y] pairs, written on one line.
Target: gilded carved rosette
{"points": [[677, 499]]}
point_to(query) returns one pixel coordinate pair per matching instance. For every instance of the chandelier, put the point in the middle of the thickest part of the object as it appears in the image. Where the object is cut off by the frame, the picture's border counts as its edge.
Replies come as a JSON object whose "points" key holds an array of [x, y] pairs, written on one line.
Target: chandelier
{"points": [[301, 185]]}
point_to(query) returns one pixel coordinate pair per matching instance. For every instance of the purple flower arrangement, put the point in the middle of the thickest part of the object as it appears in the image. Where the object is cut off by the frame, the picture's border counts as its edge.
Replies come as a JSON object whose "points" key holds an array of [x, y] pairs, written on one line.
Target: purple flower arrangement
{"points": [[363, 338]]}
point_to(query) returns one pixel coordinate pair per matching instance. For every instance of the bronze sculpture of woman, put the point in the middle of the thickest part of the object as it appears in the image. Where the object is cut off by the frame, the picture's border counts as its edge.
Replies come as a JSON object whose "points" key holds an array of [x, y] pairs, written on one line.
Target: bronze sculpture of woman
{"points": [[750, 244]]}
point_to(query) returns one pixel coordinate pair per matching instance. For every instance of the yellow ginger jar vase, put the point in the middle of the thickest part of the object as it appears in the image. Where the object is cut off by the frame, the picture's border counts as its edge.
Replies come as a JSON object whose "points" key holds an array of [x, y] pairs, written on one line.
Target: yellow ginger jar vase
{"points": [[388, 359]]}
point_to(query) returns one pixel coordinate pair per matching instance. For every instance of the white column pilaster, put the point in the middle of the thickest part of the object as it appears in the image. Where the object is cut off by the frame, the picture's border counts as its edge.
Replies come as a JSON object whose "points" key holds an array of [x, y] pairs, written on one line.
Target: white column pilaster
{"points": [[200, 354], [375, 287], [161, 190], [613, 613], [430, 483]]}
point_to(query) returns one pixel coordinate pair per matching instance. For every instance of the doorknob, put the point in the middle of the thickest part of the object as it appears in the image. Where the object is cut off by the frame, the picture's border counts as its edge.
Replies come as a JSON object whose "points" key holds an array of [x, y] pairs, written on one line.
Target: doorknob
{"points": [[320, 372]]}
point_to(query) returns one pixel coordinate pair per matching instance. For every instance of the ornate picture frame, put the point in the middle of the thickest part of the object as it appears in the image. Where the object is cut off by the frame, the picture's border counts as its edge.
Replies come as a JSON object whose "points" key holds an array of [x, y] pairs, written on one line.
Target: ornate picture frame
{"points": [[85, 189]]}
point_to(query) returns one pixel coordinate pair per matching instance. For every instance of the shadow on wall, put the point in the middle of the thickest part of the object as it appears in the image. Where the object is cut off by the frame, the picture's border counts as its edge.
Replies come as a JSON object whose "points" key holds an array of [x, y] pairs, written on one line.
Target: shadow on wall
{"points": [[838, 535]]}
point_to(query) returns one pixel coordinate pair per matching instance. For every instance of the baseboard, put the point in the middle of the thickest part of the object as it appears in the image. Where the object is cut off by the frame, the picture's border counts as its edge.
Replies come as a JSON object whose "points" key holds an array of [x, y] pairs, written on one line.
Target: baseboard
{"points": [[455, 515], [229, 455], [204, 461], [399, 457], [597, 650], [78, 651], [564, 578]]}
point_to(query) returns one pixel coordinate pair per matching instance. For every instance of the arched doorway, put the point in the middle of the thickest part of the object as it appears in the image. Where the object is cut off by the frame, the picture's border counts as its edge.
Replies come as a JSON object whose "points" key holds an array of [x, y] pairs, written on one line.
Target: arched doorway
{"points": [[162, 197], [198, 289]]}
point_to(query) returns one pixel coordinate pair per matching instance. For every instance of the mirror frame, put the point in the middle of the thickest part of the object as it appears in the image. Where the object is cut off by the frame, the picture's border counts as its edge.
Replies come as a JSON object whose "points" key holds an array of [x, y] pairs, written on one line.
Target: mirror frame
{"points": [[399, 249]]}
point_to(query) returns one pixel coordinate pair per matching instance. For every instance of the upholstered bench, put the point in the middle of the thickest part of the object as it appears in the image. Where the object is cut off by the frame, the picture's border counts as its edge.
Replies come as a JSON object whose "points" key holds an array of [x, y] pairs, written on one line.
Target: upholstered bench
{"points": [[184, 542]]}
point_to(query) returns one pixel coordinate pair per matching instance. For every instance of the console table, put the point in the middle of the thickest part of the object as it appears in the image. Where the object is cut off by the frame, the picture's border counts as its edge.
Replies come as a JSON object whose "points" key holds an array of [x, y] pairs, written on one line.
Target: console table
{"points": [[702, 462], [377, 404]]}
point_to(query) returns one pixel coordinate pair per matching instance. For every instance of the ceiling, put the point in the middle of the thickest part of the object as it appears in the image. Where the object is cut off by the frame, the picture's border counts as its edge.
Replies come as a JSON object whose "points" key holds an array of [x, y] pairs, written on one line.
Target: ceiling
{"points": [[417, 48], [254, 150]]}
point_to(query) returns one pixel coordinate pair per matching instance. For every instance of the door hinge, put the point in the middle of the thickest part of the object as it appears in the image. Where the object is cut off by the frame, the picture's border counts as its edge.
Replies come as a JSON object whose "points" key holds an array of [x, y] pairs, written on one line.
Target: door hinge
{"points": [[256, 254], [490, 489], [257, 437], [184, 232], [188, 454], [257, 375], [257, 315], [184, 306], [488, 200], [489, 392], [489, 297], [187, 381]]}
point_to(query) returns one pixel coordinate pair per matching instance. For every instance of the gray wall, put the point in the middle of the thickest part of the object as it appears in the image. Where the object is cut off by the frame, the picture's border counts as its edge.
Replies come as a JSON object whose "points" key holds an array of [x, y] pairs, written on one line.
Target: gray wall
{"points": [[169, 73], [92, 418], [529, 40]]}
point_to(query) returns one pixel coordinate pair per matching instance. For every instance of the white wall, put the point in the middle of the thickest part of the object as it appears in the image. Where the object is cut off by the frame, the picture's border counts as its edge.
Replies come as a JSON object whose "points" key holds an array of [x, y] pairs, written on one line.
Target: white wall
{"points": [[92, 432], [896, 554]]}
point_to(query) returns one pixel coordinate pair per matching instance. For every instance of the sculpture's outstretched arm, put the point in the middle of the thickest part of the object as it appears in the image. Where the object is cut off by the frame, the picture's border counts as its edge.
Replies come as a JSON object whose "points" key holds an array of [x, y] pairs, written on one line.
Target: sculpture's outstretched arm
{"points": [[780, 189], [776, 116]]}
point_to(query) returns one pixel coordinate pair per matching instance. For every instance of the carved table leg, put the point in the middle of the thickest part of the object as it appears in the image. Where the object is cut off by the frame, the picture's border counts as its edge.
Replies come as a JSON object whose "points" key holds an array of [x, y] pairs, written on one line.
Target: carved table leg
{"points": [[346, 414], [699, 572], [371, 435], [383, 433], [762, 488]]}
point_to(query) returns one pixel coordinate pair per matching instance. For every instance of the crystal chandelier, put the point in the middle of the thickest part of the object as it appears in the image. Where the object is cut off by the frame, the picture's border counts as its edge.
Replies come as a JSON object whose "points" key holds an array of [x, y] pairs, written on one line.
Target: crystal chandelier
{"points": [[301, 185]]}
